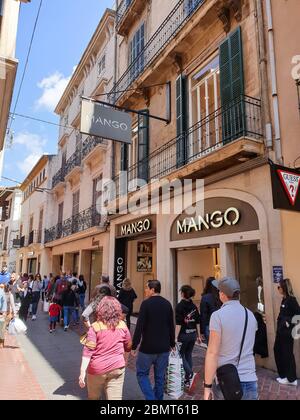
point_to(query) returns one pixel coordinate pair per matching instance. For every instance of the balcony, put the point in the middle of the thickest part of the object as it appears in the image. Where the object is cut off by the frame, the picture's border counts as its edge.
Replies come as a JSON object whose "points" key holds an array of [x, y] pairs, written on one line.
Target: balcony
{"points": [[35, 237], [228, 136], [16, 243], [78, 223], [91, 146], [73, 165], [23, 242], [126, 13], [59, 178], [171, 26]]}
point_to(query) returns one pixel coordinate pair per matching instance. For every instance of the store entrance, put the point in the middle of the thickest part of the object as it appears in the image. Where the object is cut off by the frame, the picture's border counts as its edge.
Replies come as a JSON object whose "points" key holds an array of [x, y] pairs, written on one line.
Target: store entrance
{"points": [[249, 273], [32, 266], [96, 269], [194, 266]]}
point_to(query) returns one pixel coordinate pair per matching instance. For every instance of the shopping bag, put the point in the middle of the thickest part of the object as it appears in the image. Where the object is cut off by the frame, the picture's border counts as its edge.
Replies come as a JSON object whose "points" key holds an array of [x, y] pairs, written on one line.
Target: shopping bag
{"points": [[17, 326], [11, 328], [46, 306], [174, 386]]}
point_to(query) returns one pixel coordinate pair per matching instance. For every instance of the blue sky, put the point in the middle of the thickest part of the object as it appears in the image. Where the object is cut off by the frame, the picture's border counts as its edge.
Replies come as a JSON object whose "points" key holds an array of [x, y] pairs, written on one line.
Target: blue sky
{"points": [[63, 32]]}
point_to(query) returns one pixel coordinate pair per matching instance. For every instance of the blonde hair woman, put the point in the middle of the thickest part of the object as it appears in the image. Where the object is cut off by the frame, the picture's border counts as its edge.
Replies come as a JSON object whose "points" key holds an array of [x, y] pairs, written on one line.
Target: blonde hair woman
{"points": [[127, 296]]}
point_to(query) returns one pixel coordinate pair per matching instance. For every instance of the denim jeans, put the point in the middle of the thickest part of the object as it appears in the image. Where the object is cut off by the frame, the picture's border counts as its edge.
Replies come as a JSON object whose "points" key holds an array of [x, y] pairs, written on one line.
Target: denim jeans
{"points": [[143, 366], [68, 312], [250, 391], [82, 300]]}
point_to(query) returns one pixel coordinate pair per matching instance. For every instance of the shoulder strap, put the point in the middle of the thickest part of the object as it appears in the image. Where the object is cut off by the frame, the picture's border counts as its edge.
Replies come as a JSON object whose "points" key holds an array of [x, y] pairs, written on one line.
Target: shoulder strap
{"points": [[244, 335]]}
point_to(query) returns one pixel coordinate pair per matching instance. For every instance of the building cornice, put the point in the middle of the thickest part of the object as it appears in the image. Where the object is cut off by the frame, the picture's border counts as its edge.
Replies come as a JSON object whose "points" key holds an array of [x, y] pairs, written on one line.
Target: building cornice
{"points": [[92, 50]]}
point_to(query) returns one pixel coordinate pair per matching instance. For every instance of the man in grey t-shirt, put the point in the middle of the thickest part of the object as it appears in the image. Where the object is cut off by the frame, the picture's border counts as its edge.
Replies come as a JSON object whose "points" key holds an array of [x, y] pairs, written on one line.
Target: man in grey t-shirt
{"points": [[226, 333]]}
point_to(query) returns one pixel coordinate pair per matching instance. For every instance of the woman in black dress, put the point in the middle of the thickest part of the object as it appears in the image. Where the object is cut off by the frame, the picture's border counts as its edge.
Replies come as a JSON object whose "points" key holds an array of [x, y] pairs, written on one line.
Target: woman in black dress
{"points": [[284, 344]]}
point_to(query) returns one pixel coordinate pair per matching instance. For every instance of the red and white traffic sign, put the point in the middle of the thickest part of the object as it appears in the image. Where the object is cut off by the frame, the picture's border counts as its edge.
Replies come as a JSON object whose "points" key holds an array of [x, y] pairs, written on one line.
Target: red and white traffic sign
{"points": [[291, 183]]}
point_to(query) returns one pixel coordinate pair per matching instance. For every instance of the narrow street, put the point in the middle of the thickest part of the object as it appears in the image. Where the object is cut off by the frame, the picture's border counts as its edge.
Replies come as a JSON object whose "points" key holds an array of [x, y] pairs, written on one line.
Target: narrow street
{"points": [[44, 366]]}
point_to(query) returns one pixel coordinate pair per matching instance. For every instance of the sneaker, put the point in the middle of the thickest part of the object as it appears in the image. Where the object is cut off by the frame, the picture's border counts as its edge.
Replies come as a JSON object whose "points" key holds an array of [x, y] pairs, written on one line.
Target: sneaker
{"points": [[65, 329], [33, 317], [285, 381], [194, 381], [187, 384], [50, 331]]}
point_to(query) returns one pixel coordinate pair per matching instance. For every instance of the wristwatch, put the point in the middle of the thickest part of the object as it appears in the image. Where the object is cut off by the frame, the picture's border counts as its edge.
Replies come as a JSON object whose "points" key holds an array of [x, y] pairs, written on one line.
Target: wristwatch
{"points": [[206, 386]]}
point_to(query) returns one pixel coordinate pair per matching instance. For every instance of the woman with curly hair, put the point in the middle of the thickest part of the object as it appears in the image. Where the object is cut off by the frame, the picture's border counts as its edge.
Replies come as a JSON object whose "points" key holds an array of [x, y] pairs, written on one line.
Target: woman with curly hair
{"points": [[103, 358]]}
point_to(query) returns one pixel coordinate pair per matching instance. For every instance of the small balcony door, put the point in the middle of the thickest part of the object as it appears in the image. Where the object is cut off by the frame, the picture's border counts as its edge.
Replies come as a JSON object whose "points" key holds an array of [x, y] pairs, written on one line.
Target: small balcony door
{"points": [[205, 101]]}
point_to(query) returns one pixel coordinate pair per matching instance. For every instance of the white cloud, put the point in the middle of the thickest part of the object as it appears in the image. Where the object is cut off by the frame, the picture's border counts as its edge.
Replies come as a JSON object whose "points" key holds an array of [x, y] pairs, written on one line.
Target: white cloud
{"points": [[53, 87], [32, 144]]}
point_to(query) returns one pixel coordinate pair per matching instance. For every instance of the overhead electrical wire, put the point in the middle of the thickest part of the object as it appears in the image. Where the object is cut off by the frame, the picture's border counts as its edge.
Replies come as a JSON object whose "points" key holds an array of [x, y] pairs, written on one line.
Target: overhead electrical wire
{"points": [[25, 67], [15, 114]]}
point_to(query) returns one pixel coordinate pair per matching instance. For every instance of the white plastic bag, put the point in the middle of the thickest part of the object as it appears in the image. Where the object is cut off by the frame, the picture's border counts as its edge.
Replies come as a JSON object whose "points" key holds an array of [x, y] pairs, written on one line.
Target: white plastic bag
{"points": [[175, 376], [11, 328], [46, 306], [16, 327]]}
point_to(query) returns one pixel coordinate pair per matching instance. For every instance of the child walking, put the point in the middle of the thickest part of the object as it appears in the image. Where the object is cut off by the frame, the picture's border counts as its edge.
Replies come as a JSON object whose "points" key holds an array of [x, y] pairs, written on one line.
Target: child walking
{"points": [[54, 311]]}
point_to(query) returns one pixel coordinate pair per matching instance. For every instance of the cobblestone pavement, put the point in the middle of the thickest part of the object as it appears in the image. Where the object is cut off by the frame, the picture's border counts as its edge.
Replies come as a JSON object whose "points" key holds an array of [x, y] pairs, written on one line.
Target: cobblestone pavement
{"points": [[42, 366]]}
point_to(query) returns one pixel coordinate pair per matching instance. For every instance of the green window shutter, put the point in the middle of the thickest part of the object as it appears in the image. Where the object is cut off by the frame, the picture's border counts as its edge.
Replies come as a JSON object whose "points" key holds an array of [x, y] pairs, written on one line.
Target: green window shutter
{"points": [[181, 119], [232, 87], [143, 146]]}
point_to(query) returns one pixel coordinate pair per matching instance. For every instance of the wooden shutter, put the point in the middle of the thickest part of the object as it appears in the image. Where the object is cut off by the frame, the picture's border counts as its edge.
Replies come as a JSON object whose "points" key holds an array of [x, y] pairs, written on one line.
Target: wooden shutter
{"points": [[181, 120], [143, 145], [124, 157], [232, 86]]}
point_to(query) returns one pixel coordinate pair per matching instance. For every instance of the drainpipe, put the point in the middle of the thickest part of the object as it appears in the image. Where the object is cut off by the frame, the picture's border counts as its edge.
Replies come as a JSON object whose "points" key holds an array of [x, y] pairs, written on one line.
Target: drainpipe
{"points": [[278, 149], [264, 75], [113, 150]]}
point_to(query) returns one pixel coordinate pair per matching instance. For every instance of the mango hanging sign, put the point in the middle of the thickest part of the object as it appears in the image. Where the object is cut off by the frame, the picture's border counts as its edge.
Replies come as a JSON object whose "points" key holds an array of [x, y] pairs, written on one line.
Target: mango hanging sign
{"points": [[108, 123]]}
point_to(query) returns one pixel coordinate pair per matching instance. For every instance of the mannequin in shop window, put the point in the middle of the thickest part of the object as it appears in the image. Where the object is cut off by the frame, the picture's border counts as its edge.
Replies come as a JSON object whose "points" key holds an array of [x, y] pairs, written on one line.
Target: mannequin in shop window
{"points": [[261, 339]]}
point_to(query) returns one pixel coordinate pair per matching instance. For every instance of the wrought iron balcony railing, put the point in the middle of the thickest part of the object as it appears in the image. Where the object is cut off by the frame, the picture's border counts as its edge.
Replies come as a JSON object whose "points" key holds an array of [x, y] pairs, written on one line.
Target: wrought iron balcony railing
{"points": [[74, 161], [35, 237], [241, 118], [174, 22], [122, 10], [78, 223], [23, 242], [58, 177], [90, 143]]}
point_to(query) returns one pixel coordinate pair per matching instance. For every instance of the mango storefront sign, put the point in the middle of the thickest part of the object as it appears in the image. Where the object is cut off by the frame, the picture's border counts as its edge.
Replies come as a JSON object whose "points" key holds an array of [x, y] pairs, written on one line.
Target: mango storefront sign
{"points": [[221, 216], [137, 227]]}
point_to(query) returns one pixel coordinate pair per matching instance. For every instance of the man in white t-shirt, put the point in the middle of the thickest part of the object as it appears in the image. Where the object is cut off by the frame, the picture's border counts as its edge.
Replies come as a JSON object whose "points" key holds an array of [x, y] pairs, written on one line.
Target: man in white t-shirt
{"points": [[226, 333]]}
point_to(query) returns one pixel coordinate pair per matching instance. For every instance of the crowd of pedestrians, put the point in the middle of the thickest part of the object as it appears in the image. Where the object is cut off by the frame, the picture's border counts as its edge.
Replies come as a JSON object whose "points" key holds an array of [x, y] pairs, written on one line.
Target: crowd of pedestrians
{"points": [[228, 329]]}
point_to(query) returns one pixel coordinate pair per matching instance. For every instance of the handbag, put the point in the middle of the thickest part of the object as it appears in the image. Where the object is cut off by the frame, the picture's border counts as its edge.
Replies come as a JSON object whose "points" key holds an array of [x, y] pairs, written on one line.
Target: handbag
{"points": [[228, 376]]}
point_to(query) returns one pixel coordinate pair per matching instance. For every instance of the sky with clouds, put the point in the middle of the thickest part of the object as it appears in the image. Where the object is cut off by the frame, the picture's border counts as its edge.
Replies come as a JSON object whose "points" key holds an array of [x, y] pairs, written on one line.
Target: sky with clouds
{"points": [[63, 32]]}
